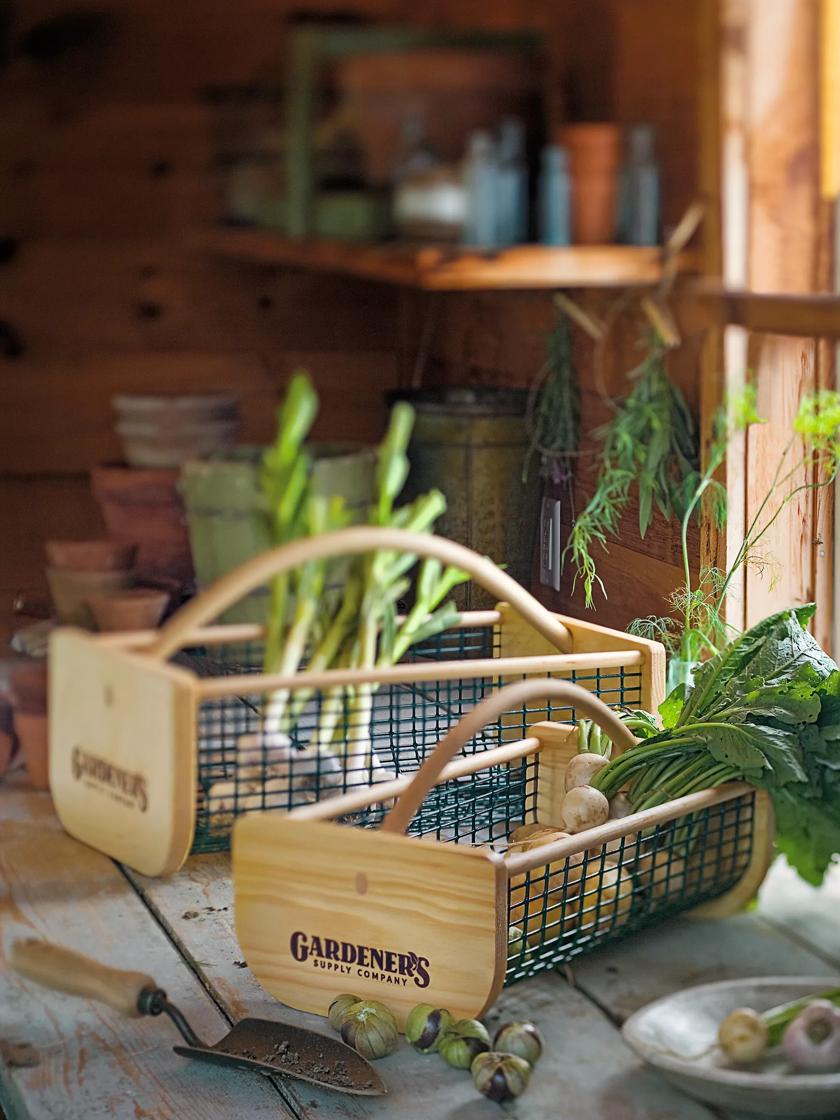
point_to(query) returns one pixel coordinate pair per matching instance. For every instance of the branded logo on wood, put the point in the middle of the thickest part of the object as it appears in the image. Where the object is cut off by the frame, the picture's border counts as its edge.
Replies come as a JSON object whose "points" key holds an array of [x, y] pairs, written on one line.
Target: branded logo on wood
{"points": [[122, 785], [365, 961]]}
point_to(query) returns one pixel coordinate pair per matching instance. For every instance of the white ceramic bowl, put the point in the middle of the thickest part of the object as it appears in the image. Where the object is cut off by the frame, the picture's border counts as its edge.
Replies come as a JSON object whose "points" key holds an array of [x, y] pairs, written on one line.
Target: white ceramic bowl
{"points": [[677, 1034]]}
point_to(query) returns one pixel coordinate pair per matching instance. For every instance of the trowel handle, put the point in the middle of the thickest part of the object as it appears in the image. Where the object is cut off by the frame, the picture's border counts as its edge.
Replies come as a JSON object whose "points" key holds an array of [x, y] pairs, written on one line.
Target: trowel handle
{"points": [[66, 971]]}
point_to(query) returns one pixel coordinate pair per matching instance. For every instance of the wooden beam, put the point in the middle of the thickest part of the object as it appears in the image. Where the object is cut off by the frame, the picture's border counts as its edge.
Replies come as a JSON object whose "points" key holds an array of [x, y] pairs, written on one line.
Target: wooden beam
{"points": [[799, 316]]}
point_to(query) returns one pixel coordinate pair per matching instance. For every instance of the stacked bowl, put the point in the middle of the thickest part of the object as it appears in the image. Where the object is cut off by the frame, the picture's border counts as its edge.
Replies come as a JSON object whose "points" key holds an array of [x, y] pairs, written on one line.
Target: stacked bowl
{"points": [[163, 431]]}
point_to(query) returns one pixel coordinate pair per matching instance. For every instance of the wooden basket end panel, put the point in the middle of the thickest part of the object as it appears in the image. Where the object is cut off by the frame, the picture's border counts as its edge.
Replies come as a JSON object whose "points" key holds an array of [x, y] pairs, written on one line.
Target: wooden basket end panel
{"points": [[122, 752], [758, 860], [558, 745], [645, 661], [323, 909], [516, 638]]}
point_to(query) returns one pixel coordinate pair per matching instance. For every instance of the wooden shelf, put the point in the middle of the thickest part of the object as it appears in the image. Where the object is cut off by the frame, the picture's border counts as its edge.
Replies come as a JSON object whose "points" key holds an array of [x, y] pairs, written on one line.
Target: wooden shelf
{"points": [[525, 267]]}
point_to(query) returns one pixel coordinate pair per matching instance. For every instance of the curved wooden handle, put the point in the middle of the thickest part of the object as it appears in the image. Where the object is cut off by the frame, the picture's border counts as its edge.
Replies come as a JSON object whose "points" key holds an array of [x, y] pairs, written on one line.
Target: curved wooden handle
{"points": [[511, 696], [63, 970], [348, 542]]}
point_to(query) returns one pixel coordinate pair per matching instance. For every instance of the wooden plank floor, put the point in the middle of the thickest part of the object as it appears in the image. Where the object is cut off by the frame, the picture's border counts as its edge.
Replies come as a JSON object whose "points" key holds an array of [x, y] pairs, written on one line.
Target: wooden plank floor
{"points": [[92, 1064], [88, 1062]]}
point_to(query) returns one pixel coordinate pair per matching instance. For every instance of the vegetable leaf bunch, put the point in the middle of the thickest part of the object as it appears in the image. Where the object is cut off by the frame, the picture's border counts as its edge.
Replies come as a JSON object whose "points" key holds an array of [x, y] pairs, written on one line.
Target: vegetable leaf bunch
{"points": [[314, 623], [765, 710]]}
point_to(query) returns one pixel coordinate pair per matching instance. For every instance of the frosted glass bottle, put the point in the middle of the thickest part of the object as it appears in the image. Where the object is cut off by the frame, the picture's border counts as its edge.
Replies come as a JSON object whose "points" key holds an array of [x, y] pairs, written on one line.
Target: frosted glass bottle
{"points": [[555, 197], [639, 196], [481, 178], [512, 206]]}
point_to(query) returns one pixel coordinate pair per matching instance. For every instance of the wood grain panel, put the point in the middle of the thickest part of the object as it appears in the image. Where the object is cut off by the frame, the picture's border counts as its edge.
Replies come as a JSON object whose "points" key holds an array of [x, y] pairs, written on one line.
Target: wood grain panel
{"points": [[107, 153], [785, 234], [292, 886]]}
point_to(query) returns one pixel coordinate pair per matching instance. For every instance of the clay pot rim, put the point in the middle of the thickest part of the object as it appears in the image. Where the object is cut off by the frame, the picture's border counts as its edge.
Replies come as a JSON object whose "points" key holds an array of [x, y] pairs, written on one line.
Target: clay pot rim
{"points": [[133, 594], [152, 403], [130, 609], [91, 576], [597, 131], [108, 555], [175, 427]]}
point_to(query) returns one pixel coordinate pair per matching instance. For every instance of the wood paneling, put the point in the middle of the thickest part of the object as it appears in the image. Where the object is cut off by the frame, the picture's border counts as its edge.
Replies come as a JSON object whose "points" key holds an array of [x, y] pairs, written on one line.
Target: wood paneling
{"points": [[106, 150], [784, 236]]}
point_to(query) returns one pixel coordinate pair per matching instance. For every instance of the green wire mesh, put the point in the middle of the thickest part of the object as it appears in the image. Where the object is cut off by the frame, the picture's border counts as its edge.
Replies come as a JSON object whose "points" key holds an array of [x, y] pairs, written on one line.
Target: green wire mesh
{"points": [[557, 911], [241, 769]]}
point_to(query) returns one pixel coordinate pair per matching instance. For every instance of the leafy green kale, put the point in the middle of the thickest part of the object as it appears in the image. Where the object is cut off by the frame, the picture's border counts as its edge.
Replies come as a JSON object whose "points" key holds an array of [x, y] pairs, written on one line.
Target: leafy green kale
{"points": [[765, 710]]}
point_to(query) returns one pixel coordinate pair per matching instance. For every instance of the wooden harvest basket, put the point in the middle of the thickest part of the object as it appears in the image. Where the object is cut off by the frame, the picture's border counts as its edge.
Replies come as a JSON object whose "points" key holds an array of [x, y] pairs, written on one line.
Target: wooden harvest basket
{"points": [[450, 916], [157, 742]]}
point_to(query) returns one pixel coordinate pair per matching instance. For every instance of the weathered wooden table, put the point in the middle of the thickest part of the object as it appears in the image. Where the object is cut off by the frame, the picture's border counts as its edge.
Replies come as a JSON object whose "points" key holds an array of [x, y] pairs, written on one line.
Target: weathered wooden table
{"points": [[63, 1058]]}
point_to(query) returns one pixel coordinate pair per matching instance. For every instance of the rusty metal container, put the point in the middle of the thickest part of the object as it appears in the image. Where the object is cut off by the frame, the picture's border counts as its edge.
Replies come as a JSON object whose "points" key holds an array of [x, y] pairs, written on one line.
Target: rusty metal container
{"points": [[470, 444]]}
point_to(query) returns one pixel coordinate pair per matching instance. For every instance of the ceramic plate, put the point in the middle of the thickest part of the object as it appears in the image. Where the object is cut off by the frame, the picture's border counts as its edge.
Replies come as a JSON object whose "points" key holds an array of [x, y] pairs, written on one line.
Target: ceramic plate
{"points": [[677, 1034]]}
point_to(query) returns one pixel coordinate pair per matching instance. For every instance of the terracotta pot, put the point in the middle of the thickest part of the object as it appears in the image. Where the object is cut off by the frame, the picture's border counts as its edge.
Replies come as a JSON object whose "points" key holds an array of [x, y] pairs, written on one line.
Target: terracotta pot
{"points": [[139, 608], [173, 409], [145, 506], [72, 591], [28, 691], [28, 686], [145, 445], [7, 734], [594, 208], [90, 556], [166, 430], [591, 147], [594, 158], [33, 735]]}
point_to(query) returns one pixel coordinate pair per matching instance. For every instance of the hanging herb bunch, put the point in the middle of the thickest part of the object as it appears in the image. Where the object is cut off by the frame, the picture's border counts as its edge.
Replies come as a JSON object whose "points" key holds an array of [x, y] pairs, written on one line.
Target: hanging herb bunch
{"points": [[650, 443], [554, 409]]}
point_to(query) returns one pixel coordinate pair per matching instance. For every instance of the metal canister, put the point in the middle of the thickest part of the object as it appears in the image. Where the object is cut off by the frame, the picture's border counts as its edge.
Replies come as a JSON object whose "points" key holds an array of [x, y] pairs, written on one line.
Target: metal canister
{"points": [[470, 444]]}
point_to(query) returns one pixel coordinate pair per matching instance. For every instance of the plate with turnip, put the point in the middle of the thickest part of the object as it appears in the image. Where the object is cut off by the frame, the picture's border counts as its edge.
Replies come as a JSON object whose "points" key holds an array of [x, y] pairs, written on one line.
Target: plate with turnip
{"points": [[769, 1046]]}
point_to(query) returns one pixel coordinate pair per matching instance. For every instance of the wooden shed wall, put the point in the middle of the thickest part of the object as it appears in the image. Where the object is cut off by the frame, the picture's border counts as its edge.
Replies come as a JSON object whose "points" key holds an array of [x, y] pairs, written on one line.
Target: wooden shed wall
{"points": [[106, 163]]}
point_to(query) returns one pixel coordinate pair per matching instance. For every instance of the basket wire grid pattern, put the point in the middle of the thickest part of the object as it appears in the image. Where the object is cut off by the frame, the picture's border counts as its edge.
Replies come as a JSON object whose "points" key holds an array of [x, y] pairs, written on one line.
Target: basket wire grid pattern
{"points": [[561, 910], [557, 911], [407, 721]]}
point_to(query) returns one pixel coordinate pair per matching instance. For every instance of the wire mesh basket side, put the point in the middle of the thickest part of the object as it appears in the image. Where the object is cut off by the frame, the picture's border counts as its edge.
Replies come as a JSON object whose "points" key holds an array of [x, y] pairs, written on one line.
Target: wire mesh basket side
{"points": [[242, 768], [561, 910]]}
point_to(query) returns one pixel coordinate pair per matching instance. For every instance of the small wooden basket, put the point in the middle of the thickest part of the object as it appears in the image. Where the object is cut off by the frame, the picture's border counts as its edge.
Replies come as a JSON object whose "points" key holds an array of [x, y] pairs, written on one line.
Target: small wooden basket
{"points": [[449, 916], [157, 741]]}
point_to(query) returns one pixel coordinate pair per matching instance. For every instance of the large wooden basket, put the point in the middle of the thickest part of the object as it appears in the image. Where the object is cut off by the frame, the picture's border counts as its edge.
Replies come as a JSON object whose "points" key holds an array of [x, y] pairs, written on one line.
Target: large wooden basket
{"points": [[450, 915], [157, 743]]}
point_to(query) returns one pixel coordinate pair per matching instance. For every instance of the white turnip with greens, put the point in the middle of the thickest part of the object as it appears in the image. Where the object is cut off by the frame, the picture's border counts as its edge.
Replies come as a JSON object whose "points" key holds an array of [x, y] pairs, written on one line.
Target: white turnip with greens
{"points": [[314, 625]]}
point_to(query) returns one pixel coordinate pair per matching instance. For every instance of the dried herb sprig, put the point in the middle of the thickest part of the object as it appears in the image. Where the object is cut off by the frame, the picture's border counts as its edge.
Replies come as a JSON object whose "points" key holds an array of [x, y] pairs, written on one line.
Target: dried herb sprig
{"points": [[554, 407], [651, 441]]}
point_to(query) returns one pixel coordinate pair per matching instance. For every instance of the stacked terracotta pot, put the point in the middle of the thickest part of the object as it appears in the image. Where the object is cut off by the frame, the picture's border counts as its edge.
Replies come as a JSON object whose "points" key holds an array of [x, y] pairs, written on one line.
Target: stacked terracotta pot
{"points": [[28, 693], [78, 572], [594, 159], [140, 498]]}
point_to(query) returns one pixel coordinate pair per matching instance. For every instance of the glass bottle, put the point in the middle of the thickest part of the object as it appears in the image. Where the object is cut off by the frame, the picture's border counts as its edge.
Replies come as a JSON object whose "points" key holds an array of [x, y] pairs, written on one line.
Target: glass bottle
{"points": [[416, 156], [512, 208], [638, 217], [555, 193], [481, 177]]}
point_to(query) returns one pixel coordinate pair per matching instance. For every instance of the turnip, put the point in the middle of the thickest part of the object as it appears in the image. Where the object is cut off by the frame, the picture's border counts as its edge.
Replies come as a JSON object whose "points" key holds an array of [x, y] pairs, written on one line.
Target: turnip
{"points": [[539, 898], [543, 834], [620, 807], [605, 899], [743, 1036], [583, 768], [584, 808], [812, 1040]]}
